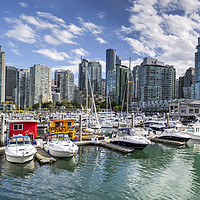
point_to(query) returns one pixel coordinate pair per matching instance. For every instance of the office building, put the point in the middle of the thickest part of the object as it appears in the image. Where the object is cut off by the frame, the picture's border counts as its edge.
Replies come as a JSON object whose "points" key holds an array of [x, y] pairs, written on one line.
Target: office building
{"points": [[111, 73], [66, 85], [83, 75], [195, 88], [10, 83], [156, 80], [40, 84], [95, 75], [124, 85], [2, 74]]}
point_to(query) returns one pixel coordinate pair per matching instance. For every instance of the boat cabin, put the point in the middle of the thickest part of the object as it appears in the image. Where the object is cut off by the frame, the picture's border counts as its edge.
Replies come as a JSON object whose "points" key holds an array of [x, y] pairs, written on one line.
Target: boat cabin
{"points": [[66, 126], [23, 127]]}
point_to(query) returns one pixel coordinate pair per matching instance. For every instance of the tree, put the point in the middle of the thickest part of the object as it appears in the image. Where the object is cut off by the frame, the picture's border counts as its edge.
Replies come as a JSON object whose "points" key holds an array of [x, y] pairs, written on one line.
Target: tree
{"points": [[36, 106]]}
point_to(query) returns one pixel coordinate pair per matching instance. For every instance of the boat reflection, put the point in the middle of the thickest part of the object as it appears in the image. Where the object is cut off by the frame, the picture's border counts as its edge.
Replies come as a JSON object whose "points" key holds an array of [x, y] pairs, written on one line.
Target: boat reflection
{"points": [[65, 164], [20, 170]]}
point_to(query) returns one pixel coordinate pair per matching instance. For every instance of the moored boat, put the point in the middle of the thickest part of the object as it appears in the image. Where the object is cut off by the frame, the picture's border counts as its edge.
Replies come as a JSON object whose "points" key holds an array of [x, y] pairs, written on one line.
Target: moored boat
{"points": [[19, 149], [59, 145], [128, 137], [173, 135]]}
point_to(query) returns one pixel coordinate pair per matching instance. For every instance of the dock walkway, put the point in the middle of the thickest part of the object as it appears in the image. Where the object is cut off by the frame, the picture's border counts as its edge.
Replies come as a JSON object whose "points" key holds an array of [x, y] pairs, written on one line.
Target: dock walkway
{"points": [[106, 145], [2, 150], [43, 157]]}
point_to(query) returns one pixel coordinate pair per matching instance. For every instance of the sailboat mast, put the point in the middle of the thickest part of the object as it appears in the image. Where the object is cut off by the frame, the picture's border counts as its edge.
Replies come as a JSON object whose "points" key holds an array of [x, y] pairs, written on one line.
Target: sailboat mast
{"points": [[128, 85], [86, 83]]}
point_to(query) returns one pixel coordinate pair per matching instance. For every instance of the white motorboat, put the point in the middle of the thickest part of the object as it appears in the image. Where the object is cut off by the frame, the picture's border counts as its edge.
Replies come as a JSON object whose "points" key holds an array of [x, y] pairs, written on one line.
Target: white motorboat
{"points": [[128, 137], [194, 131], [19, 149], [59, 145], [174, 135]]}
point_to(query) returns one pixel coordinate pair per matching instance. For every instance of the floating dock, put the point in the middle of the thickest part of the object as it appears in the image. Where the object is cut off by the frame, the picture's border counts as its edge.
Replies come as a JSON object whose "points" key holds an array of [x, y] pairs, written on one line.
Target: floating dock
{"points": [[154, 139], [2, 150], [106, 145], [116, 147], [83, 143], [43, 157]]}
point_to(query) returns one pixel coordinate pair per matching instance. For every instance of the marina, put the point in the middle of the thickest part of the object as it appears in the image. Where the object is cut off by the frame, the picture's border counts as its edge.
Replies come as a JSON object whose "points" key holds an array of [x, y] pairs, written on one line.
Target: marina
{"points": [[158, 172], [114, 163]]}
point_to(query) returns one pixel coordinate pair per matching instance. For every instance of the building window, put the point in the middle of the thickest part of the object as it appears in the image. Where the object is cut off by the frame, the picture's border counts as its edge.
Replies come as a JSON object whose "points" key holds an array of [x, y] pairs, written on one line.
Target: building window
{"points": [[190, 111], [17, 127], [183, 111], [196, 111]]}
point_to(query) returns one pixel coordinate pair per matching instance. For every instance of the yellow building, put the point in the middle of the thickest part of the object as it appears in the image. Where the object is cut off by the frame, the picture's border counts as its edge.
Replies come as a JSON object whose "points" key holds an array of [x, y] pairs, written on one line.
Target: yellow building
{"points": [[67, 126]]}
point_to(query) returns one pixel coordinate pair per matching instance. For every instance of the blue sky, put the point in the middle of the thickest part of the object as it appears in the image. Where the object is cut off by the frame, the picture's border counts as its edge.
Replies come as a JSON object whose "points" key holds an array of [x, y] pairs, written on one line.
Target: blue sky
{"points": [[57, 33]]}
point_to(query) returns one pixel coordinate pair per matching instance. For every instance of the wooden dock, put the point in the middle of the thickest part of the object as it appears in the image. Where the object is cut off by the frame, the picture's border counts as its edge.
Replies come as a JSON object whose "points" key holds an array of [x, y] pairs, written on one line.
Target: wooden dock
{"points": [[106, 145], [43, 157], [154, 139], [83, 143], [2, 150], [116, 147]]}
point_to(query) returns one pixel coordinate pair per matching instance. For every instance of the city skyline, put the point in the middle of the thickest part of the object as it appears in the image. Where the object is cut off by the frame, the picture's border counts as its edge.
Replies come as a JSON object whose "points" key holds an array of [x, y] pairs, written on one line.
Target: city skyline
{"points": [[58, 34]]}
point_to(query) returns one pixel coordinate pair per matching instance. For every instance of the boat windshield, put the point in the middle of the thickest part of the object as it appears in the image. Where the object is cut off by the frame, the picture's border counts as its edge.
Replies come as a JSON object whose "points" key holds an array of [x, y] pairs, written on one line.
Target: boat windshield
{"points": [[62, 137], [19, 141], [191, 129], [128, 131]]}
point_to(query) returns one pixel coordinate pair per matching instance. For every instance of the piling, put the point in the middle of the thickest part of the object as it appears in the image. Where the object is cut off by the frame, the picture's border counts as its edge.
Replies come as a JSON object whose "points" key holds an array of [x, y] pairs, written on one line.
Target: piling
{"points": [[167, 119], [80, 127], [133, 120], [2, 129], [118, 120]]}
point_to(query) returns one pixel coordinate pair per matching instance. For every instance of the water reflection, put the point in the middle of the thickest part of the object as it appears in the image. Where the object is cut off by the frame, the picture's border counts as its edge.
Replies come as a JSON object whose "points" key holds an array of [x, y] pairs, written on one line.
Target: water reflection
{"points": [[20, 170], [65, 164]]}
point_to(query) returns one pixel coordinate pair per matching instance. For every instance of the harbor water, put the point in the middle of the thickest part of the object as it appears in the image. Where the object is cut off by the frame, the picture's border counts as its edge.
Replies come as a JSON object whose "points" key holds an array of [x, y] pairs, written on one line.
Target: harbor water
{"points": [[157, 172]]}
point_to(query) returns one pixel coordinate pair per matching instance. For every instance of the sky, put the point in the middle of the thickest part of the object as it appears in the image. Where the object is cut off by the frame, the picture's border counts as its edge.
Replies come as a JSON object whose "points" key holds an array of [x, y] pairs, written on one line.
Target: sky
{"points": [[57, 33]]}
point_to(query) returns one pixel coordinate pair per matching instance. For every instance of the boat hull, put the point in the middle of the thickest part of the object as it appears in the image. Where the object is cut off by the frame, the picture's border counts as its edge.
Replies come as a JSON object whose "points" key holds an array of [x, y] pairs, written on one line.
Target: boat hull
{"points": [[61, 154], [19, 159], [135, 146], [173, 138]]}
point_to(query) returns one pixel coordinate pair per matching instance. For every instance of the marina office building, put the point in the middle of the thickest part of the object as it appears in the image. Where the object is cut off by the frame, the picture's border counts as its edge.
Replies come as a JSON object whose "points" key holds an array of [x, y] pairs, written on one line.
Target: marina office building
{"points": [[184, 108]]}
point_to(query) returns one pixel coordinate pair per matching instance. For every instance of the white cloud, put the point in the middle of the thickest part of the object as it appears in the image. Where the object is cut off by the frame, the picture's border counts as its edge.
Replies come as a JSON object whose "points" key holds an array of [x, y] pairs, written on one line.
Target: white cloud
{"points": [[158, 31], [73, 68], [101, 40], [22, 4], [75, 29], [64, 36], [101, 15], [23, 33], [49, 39], [16, 52], [37, 22], [93, 28], [50, 16], [53, 54], [139, 48], [80, 52], [138, 61]]}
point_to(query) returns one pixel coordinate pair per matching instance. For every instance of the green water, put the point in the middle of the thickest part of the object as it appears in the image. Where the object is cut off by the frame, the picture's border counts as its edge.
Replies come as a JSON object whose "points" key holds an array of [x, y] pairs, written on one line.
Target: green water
{"points": [[157, 172]]}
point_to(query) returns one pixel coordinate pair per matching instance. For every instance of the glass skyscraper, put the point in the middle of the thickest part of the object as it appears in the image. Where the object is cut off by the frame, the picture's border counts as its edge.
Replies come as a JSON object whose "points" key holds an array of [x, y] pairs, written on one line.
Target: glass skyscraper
{"points": [[111, 73], [195, 88]]}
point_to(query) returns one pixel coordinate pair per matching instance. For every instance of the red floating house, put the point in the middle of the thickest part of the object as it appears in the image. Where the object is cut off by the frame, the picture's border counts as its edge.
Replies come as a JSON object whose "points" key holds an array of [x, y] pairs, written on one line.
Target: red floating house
{"points": [[23, 127]]}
